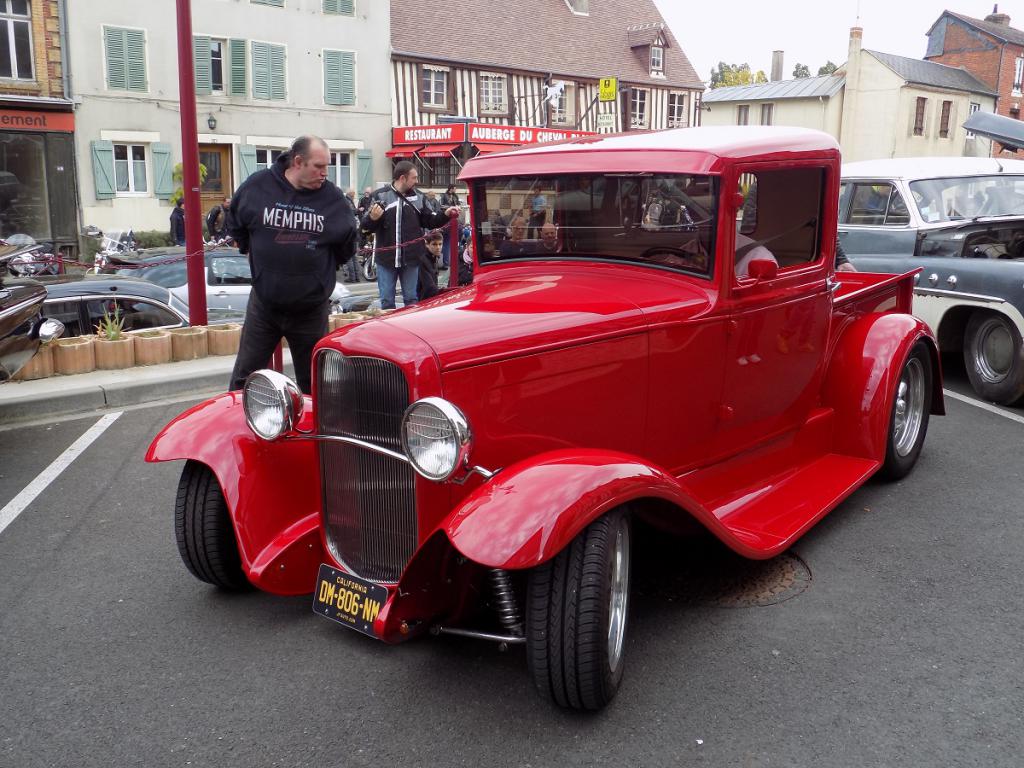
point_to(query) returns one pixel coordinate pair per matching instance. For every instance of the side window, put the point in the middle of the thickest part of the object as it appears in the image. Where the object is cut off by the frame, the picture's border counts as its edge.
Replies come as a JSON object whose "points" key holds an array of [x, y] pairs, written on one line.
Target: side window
{"points": [[780, 219], [845, 189], [870, 203], [230, 270], [138, 314], [165, 275], [67, 313], [896, 214]]}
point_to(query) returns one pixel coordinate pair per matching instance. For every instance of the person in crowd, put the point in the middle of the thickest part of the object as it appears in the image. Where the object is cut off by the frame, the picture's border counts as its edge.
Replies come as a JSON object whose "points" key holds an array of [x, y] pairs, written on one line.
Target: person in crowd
{"points": [[178, 222], [427, 285], [397, 219], [538, 211], [548, 238], [217, 220], [363, 206], [297, 229], [515, 245], [450, 197], [466, 264], [432, 202]]}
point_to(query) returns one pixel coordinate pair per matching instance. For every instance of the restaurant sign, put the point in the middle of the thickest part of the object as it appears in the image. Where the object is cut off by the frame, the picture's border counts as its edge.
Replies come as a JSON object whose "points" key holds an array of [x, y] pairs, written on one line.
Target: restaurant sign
{"points": [[486, 133]]}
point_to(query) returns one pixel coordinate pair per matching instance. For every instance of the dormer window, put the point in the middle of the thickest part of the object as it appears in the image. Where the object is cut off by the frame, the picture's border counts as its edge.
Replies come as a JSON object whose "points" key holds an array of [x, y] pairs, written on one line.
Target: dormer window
{"points": [[657, 60]]}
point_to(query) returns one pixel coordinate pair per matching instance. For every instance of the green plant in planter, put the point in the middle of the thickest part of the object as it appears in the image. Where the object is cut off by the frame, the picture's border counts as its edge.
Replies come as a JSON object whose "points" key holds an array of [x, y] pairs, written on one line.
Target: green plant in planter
{"points": [[111, 327]]}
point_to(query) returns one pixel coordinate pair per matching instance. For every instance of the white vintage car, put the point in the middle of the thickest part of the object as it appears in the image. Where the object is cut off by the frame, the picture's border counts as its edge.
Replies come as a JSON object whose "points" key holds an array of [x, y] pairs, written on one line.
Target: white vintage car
{"points": [[962, 220]]}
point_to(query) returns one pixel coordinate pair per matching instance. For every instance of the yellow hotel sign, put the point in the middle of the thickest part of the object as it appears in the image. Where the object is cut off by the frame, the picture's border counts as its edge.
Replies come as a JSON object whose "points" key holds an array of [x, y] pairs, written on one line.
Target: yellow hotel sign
{"points": [[609, 88]]}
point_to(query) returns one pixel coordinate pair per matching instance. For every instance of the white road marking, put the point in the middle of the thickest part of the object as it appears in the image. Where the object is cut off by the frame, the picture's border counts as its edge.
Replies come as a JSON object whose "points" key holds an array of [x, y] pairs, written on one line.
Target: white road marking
{"points": [[984, 406], [17, 505]]}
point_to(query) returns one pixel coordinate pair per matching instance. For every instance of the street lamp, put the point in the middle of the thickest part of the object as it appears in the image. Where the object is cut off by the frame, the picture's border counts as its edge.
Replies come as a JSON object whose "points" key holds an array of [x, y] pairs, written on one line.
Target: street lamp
{"points": [[212, 122]]}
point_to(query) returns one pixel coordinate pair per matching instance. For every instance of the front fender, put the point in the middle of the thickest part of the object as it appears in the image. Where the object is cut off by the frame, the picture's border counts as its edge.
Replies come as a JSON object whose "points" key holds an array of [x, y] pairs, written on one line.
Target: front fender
{"points": [[272, 490], [862, 378], [530, 511]]}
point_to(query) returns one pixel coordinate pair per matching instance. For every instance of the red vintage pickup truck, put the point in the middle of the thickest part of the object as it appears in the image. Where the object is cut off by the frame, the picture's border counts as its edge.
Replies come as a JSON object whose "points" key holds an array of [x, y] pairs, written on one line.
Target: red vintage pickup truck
{"points": [[665, 344]]}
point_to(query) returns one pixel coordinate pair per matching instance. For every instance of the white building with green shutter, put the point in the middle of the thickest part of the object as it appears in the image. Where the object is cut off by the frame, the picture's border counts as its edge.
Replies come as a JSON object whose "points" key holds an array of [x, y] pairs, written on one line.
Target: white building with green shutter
{"points": [[266, 71]]}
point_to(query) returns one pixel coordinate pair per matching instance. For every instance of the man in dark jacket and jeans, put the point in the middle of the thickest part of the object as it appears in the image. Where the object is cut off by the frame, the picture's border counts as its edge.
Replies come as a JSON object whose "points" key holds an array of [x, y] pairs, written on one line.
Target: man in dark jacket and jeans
{"points": [[393, 228], [297, 228]]}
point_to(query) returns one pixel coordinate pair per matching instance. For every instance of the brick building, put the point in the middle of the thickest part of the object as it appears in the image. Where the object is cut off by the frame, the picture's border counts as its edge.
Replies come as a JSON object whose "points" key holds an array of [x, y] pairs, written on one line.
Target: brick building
{"points": [[37, 163], [989, 48]]}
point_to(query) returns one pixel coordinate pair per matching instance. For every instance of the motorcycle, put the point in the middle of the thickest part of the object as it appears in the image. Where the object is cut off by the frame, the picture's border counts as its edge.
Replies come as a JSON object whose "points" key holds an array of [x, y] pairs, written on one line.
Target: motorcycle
{"points": [[113, 243], [22, 256]]}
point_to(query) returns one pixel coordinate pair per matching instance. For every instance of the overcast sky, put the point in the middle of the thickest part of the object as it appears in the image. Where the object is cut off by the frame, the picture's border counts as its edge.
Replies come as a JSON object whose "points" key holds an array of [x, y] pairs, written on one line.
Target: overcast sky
{"points": [[811, 33]]}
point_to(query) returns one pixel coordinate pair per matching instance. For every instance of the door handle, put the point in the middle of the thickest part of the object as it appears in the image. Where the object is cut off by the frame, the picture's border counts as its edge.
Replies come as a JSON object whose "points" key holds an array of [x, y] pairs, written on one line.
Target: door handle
{"points": [[222, 293]]}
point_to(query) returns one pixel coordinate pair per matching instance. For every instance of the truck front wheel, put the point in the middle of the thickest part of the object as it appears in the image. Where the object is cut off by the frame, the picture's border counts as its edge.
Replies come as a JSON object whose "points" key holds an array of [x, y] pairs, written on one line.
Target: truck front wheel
{"points": [[576, 616], [203, 529], [908, 418], [994, 357]]}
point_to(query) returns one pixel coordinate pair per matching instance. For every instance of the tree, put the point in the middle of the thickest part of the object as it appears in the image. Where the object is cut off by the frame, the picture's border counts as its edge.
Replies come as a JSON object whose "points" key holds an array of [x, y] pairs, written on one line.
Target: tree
{"points": [[827, 69], [735, 74], [801, 70], [178, 175]]}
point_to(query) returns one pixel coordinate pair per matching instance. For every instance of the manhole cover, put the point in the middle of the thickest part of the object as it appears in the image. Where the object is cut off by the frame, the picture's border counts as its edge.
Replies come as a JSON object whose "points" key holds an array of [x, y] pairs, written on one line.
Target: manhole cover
{"points": [[712, 575]]}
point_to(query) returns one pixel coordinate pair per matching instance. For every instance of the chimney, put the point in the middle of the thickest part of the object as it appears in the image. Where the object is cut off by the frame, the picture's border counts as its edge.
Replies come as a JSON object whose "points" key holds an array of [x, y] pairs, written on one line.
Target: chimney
{"points": [[777, 65], [998, 18], [856, 36]]}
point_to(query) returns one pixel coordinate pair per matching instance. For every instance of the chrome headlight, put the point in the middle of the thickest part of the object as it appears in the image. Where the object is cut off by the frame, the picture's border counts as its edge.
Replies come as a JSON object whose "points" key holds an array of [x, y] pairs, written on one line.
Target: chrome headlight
{"points": [[435, 437], [273, 404]]}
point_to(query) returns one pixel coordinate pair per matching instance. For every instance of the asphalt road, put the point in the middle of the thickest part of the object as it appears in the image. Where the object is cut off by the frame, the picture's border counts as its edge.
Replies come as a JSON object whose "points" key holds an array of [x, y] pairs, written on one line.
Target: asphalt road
{"points": [[900, 648]]}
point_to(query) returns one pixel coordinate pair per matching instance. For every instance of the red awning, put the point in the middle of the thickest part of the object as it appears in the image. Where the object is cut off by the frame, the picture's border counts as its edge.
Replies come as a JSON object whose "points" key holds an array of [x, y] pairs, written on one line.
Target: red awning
{"points": [[437, 150], [408, 151], [488, 148]]}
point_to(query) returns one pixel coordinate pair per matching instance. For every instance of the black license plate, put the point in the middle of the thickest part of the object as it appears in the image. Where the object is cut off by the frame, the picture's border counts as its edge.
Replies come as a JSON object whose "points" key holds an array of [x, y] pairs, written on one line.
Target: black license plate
{"points": [[347, 599]]}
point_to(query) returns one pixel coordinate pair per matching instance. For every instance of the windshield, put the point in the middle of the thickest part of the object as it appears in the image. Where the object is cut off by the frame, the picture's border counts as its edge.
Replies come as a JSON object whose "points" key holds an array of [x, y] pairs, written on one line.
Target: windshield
{"points": [[955, 199], [663, 220]]}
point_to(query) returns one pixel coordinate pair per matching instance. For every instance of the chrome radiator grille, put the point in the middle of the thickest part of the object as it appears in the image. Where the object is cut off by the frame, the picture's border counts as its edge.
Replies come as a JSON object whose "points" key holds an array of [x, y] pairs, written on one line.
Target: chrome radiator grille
{"points": [[369, 503]]}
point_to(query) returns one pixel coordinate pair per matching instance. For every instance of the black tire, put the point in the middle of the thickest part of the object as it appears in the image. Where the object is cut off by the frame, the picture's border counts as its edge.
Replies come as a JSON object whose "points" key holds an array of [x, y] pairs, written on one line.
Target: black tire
{"points": [[994, 357], [569, 614], [908, 416], [369, 269], [203, 529]]}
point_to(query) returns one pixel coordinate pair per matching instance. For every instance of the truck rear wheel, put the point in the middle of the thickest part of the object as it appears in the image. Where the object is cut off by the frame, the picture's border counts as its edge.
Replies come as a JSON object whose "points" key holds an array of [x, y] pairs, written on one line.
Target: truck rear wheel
{"points": [[203, 529], [908, 418], [576, 616], [994, 357]]}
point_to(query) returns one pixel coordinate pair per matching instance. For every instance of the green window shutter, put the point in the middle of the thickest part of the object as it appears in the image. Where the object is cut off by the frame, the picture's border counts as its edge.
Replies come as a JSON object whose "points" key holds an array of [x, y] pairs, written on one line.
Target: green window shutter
{"points": [[163, 186], [135, 56], [277, 3], [364, 158], [246, 161], [343, 7], [117, 71], [203, 68], [236, 51], [103, 168], [260, 70], [339, 78], [278, 85]]}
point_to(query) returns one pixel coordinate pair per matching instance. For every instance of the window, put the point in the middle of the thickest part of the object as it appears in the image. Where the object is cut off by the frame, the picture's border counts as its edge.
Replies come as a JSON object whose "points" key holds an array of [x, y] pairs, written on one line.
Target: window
{"points": [[340, 172], [229, 270], [743, 114], [1018, 76], [563, 106], [922, 102], [435, 87], [493, 89], [15, 40], [340, 78], [638, 113], [138, 314], [439, 171], [767, 114], [874, 204], [67, 313], [975, 107], [266, 157], [959, 197], [657, 60], [342, 7], [677, 114], [125, 51], [947, 107], [268, 72], [217, 48], [130, 168]]}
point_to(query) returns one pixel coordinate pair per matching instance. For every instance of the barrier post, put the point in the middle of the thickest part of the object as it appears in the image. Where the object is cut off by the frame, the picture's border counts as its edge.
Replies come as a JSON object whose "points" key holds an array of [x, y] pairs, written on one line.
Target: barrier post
{"points": [[453, 252]]}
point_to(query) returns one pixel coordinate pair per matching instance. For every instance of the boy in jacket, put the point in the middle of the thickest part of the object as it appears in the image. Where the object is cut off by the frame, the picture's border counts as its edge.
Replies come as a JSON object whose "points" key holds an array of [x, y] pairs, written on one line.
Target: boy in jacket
{"points": [[297, 229], [393, 228]]}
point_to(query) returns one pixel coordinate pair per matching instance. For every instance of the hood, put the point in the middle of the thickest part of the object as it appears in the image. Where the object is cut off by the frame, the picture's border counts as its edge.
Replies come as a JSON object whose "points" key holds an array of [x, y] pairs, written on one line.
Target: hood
{"points": [[511, 312]]}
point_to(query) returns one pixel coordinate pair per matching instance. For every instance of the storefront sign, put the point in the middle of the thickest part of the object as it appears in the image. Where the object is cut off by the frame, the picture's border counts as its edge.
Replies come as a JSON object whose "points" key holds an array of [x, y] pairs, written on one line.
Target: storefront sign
{"points": [[609, 89], [439, 140], [447, 133], [18, 120], [517, 134]]}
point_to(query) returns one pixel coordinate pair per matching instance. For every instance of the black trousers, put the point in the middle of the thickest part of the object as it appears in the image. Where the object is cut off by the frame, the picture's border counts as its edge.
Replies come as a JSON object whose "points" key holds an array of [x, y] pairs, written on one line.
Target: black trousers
{"points": [[427, 278], [263, 329]]}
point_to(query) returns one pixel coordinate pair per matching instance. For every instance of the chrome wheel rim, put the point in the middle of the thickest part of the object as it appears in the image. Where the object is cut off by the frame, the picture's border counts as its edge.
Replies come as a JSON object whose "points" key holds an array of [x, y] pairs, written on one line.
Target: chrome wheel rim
{"points": [[909, 407], [994, 352], [618, 600]]}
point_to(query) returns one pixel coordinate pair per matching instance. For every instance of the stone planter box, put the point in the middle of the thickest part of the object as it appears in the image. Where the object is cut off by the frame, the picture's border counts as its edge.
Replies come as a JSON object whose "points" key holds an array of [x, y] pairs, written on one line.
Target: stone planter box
{"points": [[74, 355], [152, 347], [188, 343], [114, 354], [223, 339], [334, 322], [39, 367]]}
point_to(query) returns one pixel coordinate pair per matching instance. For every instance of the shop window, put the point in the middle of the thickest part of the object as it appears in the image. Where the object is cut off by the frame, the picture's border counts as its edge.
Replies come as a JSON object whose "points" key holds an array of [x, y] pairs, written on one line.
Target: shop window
{"points": [[340, 172], [24, 199], [130, 169], [265, 157], [434, 90], [638, 114], [15, 40], [677, 117]]}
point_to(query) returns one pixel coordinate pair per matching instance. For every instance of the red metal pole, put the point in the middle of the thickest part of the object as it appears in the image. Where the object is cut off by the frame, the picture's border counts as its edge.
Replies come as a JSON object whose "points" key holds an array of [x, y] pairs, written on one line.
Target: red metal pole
{"points": [[190, 165], [453, 252]]}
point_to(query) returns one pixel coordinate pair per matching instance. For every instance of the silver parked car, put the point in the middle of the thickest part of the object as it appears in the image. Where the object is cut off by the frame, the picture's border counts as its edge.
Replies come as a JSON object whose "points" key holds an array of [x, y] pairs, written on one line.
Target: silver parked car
{"points": [[962, 220]]}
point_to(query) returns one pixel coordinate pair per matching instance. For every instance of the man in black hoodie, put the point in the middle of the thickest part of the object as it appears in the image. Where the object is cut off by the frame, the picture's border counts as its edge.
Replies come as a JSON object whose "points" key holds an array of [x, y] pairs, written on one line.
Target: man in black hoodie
{"points": [[392, 229], [297, 229]]}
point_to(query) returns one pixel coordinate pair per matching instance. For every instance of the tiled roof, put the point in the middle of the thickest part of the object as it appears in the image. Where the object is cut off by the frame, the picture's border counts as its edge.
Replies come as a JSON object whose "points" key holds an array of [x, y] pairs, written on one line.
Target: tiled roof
{"points": [[644, 34], [539, 36], [800, 88], [932, 73], [998, 31]]}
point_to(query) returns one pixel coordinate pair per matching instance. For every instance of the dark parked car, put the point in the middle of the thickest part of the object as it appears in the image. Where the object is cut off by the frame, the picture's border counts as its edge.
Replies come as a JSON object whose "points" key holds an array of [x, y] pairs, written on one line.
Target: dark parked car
{"points": [[22, 325], [962, 220]]}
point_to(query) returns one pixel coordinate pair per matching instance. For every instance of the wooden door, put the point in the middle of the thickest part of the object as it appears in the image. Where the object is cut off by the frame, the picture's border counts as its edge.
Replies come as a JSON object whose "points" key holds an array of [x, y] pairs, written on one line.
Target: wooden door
{"points": [[217, 186]]}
